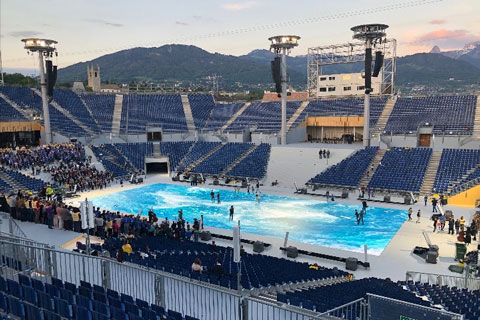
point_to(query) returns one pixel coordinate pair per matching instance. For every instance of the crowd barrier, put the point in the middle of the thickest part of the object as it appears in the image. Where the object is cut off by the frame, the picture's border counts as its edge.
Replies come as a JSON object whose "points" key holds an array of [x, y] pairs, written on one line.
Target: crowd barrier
{"points": [[444, 280]]}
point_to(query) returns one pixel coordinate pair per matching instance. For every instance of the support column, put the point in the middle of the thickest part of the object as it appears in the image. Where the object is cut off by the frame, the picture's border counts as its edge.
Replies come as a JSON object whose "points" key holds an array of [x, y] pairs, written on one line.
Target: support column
{"points": [[284, 98], [368, 88], [46, 113]]}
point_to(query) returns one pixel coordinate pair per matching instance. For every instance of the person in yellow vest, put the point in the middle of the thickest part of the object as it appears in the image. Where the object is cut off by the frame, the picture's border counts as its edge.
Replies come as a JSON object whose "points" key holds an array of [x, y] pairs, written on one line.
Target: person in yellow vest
{"points": [[49, 192], [127, 248]]}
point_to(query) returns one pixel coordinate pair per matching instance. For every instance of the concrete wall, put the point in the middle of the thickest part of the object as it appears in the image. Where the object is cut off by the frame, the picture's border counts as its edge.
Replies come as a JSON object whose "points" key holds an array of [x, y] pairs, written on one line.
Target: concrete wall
{"points": [[297, 134], [271, 138], [438, 142], [466, 198]]}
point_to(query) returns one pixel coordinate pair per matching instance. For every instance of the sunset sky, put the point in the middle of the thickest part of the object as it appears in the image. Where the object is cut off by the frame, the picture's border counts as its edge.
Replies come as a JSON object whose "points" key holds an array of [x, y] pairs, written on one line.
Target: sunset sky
{"points": [[87, 29]]}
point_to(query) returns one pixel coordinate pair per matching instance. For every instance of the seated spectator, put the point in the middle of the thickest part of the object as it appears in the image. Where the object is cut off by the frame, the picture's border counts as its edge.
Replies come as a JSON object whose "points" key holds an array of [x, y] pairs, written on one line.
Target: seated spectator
{"points": [[217, 270], [197, 265]]}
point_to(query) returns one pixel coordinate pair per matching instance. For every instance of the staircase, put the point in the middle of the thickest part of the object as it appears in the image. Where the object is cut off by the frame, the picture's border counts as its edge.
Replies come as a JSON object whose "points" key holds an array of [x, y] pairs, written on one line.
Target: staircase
{"points": [[457, 182], [156, 150], [234, 164], [383, 119], [367, 176], [234, 117], [297, 113], [476, 121], [431, 173], [15, 106], [188, 114], [68, 115], [90, 112], [117, 115], [198, 161]]}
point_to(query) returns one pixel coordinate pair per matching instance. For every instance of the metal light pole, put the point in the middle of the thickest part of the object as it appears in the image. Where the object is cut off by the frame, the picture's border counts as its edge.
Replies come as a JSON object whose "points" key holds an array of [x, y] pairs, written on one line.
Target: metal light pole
{"points": [[370, 33], [282, 45], [45, 48]]}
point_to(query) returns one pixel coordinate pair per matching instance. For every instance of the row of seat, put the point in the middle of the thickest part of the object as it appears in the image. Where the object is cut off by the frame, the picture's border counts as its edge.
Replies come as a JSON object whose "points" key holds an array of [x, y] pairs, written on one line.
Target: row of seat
{"points": [[32, 299], [453, 165]]}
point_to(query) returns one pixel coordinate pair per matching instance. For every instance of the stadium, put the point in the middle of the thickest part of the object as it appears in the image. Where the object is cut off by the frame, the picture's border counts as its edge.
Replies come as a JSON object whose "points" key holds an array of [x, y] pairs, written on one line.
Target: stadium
{"points": [[344, 199]]}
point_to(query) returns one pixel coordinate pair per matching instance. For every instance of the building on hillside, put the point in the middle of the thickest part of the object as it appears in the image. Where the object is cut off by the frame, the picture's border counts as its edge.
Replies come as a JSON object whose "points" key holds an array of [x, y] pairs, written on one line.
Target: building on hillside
{"points": [[294, 96], [78, 87], [111, 88], [93, 74], [346, 84]]}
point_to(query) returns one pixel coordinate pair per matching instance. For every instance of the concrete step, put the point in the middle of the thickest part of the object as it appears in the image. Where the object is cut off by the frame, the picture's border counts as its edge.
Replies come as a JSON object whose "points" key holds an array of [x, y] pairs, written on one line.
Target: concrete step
{"points": [[431, 173], [383, 119], [188, 114], [372, 167], [196, 163], [243, 156], [476, 122], [297, 113], [117, 115], [234, 117]]}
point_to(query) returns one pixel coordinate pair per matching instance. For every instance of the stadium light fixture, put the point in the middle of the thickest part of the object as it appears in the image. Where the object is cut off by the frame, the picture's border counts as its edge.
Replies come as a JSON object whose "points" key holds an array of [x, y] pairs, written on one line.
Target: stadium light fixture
{"points": [[281, 45], [45, 48]]}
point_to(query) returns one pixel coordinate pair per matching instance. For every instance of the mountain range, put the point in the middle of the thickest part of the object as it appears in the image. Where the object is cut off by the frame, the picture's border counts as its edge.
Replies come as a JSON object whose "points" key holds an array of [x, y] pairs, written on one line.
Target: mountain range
{"points": [[452, 70]]}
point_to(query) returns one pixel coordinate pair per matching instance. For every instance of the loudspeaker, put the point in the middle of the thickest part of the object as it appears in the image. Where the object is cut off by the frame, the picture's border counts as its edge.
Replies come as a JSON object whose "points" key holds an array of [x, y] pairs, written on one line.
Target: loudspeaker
{"points": [[378, 63], [368, 70], [205, 236], [51, 75], [258, 246], [344, 194], [407, 200], [351, 264], [277, 78], [216, 182], [386, 198], [292, 252]]}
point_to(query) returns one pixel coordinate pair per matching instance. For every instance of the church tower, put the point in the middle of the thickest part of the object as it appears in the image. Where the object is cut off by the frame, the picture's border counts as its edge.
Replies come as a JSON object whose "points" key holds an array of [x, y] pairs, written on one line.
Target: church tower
{"points": [[93, 73]]}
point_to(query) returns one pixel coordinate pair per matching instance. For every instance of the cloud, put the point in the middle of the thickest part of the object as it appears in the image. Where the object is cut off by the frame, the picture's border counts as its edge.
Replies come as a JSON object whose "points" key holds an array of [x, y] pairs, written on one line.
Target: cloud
{"points": [[180, 23], [437, 21], [237, 6], [24, 33], [444, 34], [104, 22]]}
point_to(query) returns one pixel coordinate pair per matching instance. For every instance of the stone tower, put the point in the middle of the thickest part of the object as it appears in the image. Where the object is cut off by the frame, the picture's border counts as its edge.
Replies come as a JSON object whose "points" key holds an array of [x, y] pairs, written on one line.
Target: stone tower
{"points": [[93, 73]]}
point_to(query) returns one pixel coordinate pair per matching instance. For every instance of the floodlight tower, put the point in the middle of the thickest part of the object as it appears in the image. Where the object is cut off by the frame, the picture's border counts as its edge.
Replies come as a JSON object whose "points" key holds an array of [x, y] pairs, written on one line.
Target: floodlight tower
{"points": [[282, 45], [45, 48], [371, 34]]}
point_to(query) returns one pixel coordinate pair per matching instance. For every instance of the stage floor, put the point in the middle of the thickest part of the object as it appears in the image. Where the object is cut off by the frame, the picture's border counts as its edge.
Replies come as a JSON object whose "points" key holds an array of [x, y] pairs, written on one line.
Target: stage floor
{"points": [[393, 261]]}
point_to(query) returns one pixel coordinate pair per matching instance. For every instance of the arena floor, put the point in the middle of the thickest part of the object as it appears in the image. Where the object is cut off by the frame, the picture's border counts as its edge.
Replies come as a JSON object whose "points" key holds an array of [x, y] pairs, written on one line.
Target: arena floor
{"points": [[393, 262]]}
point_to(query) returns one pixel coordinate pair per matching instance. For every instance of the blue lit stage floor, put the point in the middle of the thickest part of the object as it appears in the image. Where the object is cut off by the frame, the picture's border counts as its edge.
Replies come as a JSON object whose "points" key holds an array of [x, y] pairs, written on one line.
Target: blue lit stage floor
{"points": [[314, 222]]}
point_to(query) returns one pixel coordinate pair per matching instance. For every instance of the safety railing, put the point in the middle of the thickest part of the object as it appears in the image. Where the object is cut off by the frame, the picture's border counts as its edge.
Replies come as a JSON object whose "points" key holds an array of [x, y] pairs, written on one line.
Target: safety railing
{"points": [[357, 310], [444, 280], [380, 308], [13, 227]]}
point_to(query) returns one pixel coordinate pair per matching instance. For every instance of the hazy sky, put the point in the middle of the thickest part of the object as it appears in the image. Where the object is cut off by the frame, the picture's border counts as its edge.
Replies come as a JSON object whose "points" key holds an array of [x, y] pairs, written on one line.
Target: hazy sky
{"points": [[86, 29]]}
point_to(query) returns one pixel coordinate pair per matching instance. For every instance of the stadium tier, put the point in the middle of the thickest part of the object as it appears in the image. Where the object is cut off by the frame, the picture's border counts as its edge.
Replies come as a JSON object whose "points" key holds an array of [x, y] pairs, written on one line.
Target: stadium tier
{"points": [[71, 102], [263, 117], [454, 165], [197, 152], [460, 301], [202, 106], [136, 153], [401, 169], [254, 165], [32, 299], [343, 107], [447, 114], [172, 255], [102, 107], [221, 114], [326, 298], [144, 110], [112, 160], [175, 151], [9, 113], [349, 171], [222, 159]]}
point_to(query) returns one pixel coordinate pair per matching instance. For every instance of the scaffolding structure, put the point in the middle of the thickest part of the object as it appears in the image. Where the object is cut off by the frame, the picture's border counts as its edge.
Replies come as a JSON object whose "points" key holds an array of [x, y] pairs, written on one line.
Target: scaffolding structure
{"points": [[347, 53]]}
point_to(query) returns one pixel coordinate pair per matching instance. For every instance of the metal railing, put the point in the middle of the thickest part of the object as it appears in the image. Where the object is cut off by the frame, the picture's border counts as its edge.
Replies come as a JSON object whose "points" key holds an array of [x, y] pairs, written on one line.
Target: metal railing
{"points": [[188, 296], [13, 227], [444, 280], [380, 308]]}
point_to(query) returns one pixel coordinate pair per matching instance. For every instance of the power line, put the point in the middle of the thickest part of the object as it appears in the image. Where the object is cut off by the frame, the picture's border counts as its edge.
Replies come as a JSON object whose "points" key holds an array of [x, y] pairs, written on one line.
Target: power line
{"points": [[291, 23]]}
